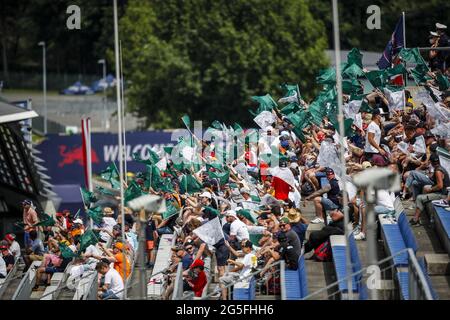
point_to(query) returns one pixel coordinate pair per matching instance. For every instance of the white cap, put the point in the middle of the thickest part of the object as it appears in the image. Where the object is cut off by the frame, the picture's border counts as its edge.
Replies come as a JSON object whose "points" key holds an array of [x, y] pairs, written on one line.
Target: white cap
{"points": [[231, 213], [206, 194], [285, 133], [293, 165], [79, 221], [434, 34], [440, 26], [245, 190], [269, 128]]}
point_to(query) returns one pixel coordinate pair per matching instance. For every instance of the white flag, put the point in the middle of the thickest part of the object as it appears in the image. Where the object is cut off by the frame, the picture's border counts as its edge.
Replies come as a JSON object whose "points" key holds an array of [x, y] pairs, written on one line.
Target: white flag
{"points": [[284, 174], [442, 130], [289, 99], [396, 99], [352, 108], [210, 232], [162, 164], [419, 146], [265, 119]]}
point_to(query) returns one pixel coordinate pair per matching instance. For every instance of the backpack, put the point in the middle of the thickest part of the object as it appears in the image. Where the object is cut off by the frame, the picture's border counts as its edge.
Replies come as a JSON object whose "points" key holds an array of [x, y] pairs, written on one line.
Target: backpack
{"points": [[323, 252]]}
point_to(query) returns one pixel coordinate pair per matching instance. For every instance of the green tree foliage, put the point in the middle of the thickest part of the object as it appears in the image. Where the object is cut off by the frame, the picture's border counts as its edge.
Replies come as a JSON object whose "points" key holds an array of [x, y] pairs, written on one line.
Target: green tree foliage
{"points": [[207, 58]]}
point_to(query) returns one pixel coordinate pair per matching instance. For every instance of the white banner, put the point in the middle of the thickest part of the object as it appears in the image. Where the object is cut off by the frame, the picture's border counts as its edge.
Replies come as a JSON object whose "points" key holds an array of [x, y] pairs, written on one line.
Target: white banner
{"points": [[210, 232], [265, 119], [396, 99]]}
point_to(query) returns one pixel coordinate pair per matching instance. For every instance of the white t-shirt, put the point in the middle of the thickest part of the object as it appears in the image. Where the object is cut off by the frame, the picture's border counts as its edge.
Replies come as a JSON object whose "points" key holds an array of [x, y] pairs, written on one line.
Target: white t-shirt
{"points": [[108, 224], [94, 251], [386, 199], [239, 229], [3, 267], [15, 249], [115, 282], [249, 262], [375, 129]]}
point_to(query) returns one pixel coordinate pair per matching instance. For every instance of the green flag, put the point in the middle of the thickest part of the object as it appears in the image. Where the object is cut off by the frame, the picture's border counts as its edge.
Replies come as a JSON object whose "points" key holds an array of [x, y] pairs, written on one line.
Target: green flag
{"points": [[365, 107], [223, 177], [352, 71], [168, 150], [419, 73], [327, 76], [355, 57], [290, 108], [88, 238], [105, 191], [266, 103], [189, 184], [411, 55], [442, 81], [187, 121], [88, 197], [46, 221], [66, 252], [171, 211], [377, 78], [211, 211], [351, 86], [133, 191], [111, 174], [153, 157], [247, 214], [216, 125], [96, 214], [291, 93]]}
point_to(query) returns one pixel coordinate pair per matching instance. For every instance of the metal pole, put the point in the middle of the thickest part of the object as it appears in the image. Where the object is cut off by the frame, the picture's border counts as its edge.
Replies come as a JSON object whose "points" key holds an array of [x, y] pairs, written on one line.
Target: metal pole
{"points": [[44, 82], [123, 114], [371, 235], [119, 118], [404, 44], [142, 244], [337, 53]]}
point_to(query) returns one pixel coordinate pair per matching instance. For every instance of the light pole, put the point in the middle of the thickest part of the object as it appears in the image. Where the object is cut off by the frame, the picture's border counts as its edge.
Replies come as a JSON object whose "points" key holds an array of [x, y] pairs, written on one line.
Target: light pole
{"points": [[44, 82], [105, 115], [120, 136]]}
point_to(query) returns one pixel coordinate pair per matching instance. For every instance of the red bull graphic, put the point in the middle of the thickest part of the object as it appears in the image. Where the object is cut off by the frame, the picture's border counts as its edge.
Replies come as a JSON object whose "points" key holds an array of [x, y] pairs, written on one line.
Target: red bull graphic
{"points": [[74, 155], [63, 154]]}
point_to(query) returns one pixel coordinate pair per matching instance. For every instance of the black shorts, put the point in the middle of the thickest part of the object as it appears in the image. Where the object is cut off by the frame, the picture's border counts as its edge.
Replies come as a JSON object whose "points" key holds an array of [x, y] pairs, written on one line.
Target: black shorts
{"points": [[222, 255]]}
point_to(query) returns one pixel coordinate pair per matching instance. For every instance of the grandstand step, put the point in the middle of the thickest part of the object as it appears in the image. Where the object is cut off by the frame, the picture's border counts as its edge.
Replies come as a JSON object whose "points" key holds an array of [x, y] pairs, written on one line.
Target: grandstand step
{"points": [[47, 295], [440, 285], [56, 278], [437, 264], [320, 274], [266, 297]]}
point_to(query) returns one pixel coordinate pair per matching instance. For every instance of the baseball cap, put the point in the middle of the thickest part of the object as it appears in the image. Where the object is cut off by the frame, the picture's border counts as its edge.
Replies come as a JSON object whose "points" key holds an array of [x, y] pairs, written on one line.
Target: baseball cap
{"points": [[78, 221], [197, 263], [3, 248], [329, 170], [10, 237], [118, 245], [206, 194], [284, 220], [231, 213], [428, 134], [366, 164], [245, 190]]}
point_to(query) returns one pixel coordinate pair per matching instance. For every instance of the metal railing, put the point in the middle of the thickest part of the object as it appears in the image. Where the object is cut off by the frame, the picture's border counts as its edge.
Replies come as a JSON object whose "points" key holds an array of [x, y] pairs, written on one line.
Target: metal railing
{"points": [[24, 289], [10, 277], [387, 278]]}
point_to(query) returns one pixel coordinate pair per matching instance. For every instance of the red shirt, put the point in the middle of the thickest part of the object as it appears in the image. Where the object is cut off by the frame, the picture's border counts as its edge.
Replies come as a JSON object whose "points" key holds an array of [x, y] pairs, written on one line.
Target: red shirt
{"points": [[199, 283], [281, 188]]}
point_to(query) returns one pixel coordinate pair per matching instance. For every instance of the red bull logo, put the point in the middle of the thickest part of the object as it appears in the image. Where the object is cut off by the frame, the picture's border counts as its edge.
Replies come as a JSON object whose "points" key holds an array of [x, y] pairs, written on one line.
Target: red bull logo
{"points": [[74, 155]]}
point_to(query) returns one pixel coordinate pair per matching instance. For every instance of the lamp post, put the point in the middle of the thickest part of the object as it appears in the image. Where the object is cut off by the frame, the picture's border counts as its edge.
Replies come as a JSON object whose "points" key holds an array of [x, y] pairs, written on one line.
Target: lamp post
{"points": [[44, 82], [105, 115]]}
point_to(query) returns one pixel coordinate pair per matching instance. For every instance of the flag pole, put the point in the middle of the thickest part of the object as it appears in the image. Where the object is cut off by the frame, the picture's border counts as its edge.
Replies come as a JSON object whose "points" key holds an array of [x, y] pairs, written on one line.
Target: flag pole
{"points": [[404, 44], [123, 114], [337, 53], [119, 134]]}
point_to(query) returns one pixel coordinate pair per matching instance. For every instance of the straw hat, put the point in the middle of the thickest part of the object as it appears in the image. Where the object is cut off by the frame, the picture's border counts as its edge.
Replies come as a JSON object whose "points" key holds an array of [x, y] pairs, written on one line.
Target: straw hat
{"points": [[293, 215], [108, 211]]}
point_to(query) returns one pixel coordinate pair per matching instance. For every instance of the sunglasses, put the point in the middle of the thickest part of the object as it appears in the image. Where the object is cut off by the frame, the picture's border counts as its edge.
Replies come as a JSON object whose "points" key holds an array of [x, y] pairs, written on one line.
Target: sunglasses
{"points": [[282, 225]]}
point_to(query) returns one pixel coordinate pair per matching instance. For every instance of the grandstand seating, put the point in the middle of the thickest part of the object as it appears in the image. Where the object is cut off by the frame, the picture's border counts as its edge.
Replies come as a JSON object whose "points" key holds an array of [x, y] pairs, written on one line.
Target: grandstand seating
{"points": [[162, 261], [397, 236], [340, 265], [442, 225], [295, 282], [245, 290]]}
